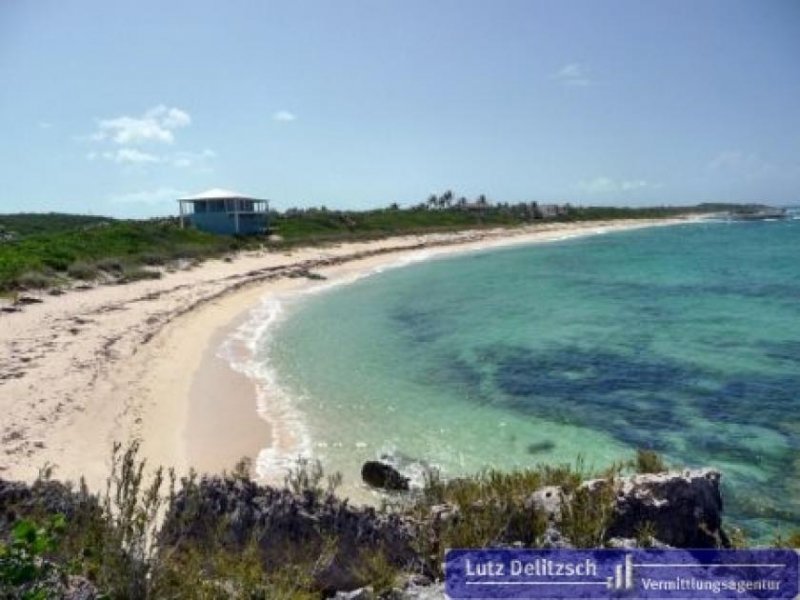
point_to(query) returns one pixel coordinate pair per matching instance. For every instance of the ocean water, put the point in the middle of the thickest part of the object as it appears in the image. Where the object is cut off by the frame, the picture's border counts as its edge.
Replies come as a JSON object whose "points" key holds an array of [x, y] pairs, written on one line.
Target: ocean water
{"points": [[683, 339]]}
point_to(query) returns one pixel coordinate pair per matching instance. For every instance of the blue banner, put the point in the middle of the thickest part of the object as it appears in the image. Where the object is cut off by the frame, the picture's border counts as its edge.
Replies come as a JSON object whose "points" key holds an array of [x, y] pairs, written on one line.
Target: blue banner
{"points": [[638, 573]]}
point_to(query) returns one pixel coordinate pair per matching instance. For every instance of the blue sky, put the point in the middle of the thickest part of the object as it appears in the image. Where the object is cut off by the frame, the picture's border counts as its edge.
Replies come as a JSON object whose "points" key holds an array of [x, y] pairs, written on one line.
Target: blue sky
{"points": [[119, 107]]}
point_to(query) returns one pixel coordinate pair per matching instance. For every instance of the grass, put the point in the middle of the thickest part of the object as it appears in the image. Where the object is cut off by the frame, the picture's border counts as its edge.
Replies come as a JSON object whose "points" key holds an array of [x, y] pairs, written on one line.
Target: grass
{"points": [[649, 461]]}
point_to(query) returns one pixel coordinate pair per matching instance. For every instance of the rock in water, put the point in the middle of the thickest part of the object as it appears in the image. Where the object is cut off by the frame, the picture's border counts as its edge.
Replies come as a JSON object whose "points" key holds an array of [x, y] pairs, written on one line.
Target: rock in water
{"points": [[380, 475]]}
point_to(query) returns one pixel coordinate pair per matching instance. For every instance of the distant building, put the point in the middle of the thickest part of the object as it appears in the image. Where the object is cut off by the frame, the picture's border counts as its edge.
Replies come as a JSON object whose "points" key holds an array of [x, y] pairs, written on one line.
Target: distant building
{"points": [[551, 211], [225, 212]]}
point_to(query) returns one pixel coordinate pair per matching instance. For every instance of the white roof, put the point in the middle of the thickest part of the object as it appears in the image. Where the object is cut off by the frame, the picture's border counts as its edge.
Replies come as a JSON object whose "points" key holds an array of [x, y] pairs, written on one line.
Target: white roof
{"points": [[217, 194]]}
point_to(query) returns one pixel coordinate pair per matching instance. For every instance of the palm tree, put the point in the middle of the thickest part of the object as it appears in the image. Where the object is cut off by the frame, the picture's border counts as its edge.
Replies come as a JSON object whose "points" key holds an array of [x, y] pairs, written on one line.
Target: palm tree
{"points": [[447, 198]]}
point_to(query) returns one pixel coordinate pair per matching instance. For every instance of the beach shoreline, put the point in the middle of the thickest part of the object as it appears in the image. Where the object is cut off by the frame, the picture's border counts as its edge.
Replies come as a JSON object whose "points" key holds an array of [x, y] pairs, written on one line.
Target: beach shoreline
{"points": [[142, 361]]}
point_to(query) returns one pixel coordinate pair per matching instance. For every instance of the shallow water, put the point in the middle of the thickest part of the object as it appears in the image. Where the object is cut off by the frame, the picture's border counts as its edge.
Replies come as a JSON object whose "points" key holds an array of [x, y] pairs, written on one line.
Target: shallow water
{"points": [[683, 339]]}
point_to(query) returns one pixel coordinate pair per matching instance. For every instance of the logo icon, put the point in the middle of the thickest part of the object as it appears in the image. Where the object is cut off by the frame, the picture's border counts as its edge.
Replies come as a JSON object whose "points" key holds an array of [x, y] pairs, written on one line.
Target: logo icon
{"points": [[623, 576]]}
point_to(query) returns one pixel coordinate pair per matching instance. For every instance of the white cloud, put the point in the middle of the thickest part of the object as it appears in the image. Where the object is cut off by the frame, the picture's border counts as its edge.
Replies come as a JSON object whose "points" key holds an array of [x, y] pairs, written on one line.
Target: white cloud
{"points": [[188, 159], [283, 116], [170, 118], [44, 125], [572, 74], [121, 140], [157, 196], [130, 155], [607, 185], [135, 156], [155, 125], [748, 165]]}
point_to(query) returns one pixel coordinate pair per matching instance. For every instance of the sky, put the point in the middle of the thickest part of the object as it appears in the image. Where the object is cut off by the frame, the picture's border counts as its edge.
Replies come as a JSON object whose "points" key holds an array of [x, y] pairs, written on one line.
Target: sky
{"points": [[119, 108]]}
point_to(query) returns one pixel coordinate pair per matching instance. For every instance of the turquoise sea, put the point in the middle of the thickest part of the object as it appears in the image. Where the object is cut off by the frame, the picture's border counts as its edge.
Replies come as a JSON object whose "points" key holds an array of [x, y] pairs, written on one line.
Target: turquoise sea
{"points": [[683, 339]]}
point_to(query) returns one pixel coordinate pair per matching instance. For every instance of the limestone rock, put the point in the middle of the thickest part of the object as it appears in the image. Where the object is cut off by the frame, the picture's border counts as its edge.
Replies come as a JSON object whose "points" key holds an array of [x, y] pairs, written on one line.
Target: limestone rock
{"points": [[684, 508], [548, 500]]}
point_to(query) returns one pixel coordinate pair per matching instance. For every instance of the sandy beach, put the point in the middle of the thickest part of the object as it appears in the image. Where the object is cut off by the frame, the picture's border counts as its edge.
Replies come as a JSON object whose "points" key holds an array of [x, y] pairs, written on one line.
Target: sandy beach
{"points": [[140, 361]]}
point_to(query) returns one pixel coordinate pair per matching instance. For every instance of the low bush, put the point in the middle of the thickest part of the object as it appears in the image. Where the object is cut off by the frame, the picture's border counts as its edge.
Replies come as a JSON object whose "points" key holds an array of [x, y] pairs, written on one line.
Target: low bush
{"points": [[33, 280], [131, 274], [82, 270], [649, 461], [110, 265], [153, 259]]}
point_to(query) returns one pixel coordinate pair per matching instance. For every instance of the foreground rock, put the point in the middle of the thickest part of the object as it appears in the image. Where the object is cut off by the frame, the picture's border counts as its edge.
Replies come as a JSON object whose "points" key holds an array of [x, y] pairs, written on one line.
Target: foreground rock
{"points": [[680, 509], [685, 509]]}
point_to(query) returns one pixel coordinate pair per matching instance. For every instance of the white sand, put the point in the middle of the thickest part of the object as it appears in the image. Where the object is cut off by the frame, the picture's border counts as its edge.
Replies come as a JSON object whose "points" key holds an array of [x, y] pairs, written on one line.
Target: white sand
{"points": [[122, 362]]}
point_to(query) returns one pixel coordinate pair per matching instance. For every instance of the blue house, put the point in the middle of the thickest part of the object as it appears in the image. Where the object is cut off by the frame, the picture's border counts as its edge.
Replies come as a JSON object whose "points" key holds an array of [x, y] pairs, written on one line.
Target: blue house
{"points": [[224, 212]]}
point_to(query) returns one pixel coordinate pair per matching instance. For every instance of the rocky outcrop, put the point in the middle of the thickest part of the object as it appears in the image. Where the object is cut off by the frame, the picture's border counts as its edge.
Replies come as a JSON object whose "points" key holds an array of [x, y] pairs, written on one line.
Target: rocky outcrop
{"points": [[684, 509], [383, 476], [680, 509]]}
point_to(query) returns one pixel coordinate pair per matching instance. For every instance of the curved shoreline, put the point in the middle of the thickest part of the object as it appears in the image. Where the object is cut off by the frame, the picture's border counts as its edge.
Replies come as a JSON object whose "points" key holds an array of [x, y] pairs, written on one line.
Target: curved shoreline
{"points": [[288, 438], [117, 363]]}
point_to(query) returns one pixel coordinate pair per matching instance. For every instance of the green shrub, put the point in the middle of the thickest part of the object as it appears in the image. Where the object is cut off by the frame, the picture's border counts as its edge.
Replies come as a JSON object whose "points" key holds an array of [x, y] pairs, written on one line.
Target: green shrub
{"points": [[152, 259], [131, 274], [377, 571], [307, 476], [36, 281], [645, 534], [649, 461], [82, 270], [22, 561], [586, 515], [110, 265]]}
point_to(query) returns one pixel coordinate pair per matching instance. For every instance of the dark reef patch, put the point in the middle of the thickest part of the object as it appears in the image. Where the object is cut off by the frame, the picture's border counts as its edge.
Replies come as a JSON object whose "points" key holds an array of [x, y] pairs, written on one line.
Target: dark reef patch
{"points": [[422, 326], [642, 400]]}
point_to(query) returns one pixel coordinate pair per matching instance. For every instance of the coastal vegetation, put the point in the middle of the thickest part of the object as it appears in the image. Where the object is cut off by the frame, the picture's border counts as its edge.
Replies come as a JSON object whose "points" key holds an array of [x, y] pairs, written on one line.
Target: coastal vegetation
{"points": [[649, 461], [107, 250], [41, 251], [153, 535]]}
